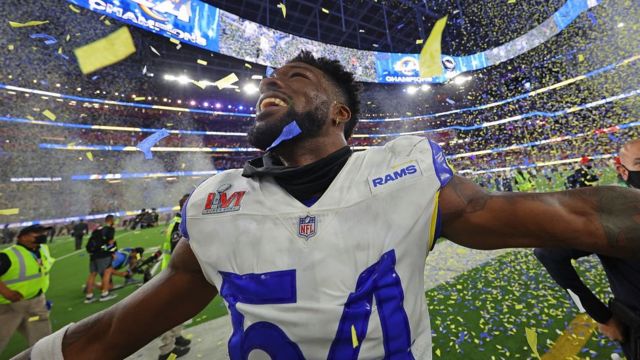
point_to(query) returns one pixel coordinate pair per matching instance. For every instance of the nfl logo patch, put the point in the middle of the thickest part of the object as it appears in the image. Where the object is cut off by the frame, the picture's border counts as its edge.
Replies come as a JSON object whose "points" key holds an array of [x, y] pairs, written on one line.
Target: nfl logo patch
{"points": [[307, 227]]}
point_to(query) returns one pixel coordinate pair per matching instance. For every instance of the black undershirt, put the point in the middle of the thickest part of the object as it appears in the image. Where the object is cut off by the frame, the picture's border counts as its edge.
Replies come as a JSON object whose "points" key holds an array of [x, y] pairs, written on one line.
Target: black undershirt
{"points": [[305, 183]]}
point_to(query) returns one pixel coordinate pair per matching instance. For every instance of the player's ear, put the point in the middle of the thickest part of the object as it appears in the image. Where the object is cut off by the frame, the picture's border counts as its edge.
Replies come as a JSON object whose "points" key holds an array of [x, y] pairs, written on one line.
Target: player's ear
{"points": [[340, 113], [624, 174]]}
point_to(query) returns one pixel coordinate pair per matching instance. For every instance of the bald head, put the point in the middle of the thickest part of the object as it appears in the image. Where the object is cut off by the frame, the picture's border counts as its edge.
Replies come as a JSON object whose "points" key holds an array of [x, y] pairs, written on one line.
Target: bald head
{"points": [[629, 159]]}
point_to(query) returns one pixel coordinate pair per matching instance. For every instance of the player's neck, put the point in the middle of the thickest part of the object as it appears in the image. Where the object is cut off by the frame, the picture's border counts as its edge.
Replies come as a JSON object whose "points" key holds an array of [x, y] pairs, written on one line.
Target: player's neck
{"points": [[307, 151]]}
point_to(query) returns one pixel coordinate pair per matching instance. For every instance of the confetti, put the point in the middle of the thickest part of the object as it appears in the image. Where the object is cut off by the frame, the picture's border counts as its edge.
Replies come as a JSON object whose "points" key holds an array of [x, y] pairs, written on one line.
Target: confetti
{"points": [[49, 40], [33, 318], [104, 52], [175, 41], [226, 81], [74, 9], [326, 11], [354, 337], [419, 41], [284, 10], [172, 356], [12, 211], [10, 47], [139, 98], [154, 50], [14, 24], [202, 62], [430, 63], [146, 144], [247, 65], [89, 155], [51, 116]]}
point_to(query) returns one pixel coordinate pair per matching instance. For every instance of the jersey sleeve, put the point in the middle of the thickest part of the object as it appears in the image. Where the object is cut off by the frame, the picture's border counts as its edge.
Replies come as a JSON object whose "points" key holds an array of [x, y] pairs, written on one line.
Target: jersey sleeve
{"points": [[444, 173], [183, 220], [443, 170]]}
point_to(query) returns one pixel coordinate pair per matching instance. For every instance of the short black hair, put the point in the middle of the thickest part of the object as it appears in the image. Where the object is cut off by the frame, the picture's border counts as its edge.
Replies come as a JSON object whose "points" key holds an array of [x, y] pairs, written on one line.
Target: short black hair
{"points": [[108, 217], [342, 78]]}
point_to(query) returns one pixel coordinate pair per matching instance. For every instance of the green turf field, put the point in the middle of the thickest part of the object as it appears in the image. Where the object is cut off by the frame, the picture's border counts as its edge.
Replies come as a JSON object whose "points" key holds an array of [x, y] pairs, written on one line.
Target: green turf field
{"points": [[69, 274], [481, 314]]}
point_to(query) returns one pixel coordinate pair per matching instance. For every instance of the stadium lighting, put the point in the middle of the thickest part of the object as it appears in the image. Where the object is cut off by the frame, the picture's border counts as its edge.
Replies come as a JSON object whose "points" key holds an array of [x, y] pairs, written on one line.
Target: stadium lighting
{"points": [[206, 104], [182, 79], [169, 77], [250, 89], [192, 103], [240, 107], [459, 80], [412, 90], [218, 105]]}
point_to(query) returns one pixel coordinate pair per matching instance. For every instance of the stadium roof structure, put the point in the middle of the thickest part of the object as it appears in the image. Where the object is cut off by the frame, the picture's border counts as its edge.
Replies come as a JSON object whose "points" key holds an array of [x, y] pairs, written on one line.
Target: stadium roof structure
{"points": [[395, 25]]}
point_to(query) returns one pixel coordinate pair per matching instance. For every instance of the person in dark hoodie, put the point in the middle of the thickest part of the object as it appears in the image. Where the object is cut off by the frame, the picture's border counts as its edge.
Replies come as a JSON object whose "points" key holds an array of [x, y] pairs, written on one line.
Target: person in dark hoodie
{"points": [[623, 274]]}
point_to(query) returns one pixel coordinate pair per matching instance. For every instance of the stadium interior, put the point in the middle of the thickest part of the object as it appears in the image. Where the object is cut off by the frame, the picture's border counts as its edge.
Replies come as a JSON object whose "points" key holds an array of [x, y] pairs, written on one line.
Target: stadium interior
{"points": [[69, 142]]}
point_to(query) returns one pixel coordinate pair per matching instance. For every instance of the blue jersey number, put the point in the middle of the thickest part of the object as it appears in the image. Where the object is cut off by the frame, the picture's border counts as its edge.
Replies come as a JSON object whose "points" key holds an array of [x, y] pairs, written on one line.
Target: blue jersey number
{"points": [[279, 287]]}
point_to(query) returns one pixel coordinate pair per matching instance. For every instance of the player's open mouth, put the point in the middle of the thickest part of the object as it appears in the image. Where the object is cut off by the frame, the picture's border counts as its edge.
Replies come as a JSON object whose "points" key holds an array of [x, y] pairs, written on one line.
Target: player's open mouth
{"points": [[271, 102]]}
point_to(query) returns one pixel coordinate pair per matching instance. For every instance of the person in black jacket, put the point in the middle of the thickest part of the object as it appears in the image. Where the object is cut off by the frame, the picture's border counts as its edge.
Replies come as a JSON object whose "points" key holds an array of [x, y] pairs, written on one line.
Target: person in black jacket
{"points": [[623, 274], [101, 248]]}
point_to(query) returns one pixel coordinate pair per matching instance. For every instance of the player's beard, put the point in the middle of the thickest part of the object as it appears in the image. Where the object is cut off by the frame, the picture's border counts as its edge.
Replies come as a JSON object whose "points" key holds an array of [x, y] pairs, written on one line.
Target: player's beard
{"points": [[264, 133]]}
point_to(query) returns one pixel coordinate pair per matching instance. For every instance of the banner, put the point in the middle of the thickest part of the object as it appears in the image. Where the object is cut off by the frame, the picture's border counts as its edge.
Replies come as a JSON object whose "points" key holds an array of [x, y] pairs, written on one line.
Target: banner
{"points": [[404, 68], [189, 21]]}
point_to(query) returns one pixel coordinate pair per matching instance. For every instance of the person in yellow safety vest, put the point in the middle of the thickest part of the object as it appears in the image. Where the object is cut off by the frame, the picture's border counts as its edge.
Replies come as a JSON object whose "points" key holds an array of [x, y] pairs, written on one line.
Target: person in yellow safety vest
{"points": [[172, 343], [24, 279], [172, 236], [523, 181]]}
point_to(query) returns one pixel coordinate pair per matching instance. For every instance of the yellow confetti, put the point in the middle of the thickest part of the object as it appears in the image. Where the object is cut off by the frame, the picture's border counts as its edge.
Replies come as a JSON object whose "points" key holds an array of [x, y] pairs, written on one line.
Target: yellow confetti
{"points": [[104, 52], [511, 2], [172, 356], [107, 22], [419, 41], [10, 47], [60, 50], [30, 117], [14, 24], [247, 65], [202, 62], [139, 98], [580, 58], [430, 64], [284, 10], [12, 211], [33, 318], [51, 116], [532, 339], [74, 9], [175, 41], [71, 144], [89, 155], [438, 352], [200, 84], [67, 38], [326, 11], [226, 81], [354, 337]]}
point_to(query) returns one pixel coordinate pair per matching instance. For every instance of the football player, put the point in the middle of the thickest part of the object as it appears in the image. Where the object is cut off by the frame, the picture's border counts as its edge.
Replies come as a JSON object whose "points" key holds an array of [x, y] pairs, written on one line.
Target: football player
{"points": [[319, 252]]}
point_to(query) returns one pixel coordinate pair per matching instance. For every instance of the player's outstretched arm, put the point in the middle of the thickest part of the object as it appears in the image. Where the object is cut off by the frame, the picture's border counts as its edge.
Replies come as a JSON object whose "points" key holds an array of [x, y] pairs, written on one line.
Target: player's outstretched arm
{"points": [[174, 296], [603, 219]]}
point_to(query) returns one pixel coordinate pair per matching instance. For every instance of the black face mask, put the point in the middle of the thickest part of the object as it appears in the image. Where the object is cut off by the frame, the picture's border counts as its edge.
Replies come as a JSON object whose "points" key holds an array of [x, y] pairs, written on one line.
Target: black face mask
{"points": [[41, 239], [633, 179]]}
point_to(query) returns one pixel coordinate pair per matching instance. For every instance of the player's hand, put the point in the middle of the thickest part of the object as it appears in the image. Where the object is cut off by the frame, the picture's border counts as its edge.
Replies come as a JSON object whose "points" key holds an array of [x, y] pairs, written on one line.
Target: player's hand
{"points": [[13, 296], [612, 329]]}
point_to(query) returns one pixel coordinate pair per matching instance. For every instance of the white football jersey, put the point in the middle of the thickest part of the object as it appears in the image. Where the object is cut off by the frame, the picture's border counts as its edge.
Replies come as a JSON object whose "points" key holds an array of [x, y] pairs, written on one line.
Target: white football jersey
{"points": [[342, 279]]}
